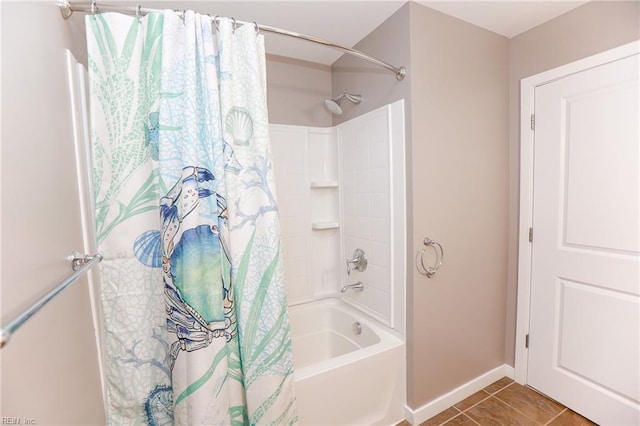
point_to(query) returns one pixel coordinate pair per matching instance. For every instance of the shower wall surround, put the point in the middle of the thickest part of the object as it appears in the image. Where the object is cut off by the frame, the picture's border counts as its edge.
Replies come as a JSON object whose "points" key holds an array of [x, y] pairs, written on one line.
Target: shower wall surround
{"points": [[336, 193], [305, 160]]}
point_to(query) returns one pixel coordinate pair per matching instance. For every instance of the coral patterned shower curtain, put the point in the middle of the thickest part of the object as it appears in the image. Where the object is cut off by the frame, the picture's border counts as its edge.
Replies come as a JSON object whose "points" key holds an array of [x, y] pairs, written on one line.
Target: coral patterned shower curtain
{"points": [[194, 312]]}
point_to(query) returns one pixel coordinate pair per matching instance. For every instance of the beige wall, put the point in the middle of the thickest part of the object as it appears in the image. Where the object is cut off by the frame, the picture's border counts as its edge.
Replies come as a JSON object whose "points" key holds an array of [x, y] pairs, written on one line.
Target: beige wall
{"points": [[296, 91], [460, 175], [389, 42], [587, 30], [49, 370], [456, 97]]}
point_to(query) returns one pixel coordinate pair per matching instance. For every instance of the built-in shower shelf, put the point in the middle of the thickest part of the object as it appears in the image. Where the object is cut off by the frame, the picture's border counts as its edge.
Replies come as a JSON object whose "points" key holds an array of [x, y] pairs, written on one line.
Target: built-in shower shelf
{"points": [[321, 226], [324, 184]]}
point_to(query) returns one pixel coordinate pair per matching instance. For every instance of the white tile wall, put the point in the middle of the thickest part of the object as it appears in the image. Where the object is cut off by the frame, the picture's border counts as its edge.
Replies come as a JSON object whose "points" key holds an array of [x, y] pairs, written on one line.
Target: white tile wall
{"points": [[361, 155], [303, 156], [289, 148], [322, 162], [364, 144]]}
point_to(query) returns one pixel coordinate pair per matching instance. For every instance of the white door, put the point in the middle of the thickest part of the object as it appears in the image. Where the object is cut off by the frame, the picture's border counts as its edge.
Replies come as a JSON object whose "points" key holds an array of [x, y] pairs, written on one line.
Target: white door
{"points": [[584, 332]]}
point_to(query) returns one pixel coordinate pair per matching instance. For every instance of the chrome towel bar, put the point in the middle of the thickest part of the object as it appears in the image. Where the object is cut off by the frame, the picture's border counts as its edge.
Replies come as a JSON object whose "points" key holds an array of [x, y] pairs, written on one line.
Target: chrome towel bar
{"points": [[80, 264]]}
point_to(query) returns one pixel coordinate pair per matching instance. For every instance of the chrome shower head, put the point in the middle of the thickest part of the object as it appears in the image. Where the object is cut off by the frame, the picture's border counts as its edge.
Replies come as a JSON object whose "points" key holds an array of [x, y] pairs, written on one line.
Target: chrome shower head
{"points": [[333, 105]]}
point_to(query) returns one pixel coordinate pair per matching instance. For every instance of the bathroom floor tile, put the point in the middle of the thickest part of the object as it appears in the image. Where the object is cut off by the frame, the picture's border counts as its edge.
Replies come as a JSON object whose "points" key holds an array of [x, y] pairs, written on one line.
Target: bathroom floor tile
{"points": [[570, 418], [439, 419], [496, 386], [506, 403], [461, 420], [492, 412], [529, 402], [472, 400]]}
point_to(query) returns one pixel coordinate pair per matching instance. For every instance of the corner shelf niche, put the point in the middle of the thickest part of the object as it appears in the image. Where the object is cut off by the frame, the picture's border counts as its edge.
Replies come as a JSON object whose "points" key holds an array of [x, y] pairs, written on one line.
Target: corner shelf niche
{"points": [[324, 210], [321, 226], [325, 193], [324, 207], [324, 184]]}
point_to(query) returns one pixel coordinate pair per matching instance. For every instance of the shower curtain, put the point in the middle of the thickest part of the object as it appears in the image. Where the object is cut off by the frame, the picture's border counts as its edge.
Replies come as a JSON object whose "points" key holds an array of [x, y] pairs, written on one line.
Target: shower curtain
{"points": [[194, 312]]}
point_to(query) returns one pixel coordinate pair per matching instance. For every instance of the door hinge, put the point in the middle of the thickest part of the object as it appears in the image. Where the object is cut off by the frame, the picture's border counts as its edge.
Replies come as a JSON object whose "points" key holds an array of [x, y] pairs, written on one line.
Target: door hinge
{"points": [[533, 122], [530, 235], [526, 341]]}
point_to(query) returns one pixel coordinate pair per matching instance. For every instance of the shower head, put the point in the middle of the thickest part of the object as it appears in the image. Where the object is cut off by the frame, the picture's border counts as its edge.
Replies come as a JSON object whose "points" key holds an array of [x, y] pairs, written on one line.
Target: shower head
{"points": [[333, 105]]}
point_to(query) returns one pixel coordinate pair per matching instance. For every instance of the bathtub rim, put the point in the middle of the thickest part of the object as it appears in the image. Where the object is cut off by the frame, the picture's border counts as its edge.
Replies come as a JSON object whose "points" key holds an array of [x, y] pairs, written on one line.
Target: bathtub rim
{"points": [[389, 338]]}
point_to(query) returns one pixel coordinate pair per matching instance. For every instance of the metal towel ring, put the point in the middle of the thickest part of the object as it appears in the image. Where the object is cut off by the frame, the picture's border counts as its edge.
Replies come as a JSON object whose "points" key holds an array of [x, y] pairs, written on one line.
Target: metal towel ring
{"points": [[429, 271]]}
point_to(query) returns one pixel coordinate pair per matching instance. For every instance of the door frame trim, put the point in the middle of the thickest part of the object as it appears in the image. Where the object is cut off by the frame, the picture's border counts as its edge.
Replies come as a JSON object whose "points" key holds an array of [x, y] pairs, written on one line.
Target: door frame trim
{"points": [[527, 98]]}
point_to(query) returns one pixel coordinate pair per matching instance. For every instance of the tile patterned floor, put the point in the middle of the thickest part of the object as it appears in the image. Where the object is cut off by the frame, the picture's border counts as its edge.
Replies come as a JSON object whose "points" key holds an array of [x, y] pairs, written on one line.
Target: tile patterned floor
{"points": [[506, 403]]}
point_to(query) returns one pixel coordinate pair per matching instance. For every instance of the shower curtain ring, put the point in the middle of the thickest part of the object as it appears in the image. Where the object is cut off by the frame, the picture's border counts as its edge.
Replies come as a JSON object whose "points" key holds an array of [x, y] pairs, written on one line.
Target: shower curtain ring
{"points": [[215, 21], [257, 28], [138, 11], [233, 24], [94, 7]]}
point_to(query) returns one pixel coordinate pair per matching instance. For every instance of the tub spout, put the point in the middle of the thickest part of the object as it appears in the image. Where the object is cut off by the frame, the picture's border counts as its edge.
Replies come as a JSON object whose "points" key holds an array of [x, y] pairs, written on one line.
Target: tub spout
{"points": [[357, 287]]}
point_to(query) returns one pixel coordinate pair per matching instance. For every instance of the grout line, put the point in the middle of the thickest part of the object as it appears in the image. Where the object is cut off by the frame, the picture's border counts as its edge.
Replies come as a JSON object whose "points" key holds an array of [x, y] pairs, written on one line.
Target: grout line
{"points": [[458, 415], [470, 418], [494, 394], [518, 411], [489, 395], [470, 407], [558, 415], [501, 389], [452, 417]]}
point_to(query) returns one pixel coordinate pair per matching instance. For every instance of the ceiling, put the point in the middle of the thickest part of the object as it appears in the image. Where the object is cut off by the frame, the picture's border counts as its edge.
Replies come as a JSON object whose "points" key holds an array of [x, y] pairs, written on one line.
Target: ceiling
{"points": [[347, 22], [507, 18]]}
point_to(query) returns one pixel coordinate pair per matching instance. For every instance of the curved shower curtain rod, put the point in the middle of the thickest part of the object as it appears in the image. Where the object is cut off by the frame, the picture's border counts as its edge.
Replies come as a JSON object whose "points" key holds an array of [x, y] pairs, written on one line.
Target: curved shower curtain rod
{"points": [[67, 9]]}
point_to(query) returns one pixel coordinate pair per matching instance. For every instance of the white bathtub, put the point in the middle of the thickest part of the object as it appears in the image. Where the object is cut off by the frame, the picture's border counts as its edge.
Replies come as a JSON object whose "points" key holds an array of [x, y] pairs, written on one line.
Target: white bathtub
{"points": [[345, 378]]}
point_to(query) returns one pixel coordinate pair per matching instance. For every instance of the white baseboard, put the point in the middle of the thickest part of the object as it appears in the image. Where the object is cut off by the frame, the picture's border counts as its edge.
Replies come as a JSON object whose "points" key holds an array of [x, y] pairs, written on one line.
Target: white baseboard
{"points": [[430, 409]]}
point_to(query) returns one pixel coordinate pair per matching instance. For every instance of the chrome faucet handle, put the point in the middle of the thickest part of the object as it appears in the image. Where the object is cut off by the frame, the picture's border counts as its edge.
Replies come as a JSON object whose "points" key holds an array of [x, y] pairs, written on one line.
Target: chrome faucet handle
{"points": [[359, 261]]}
